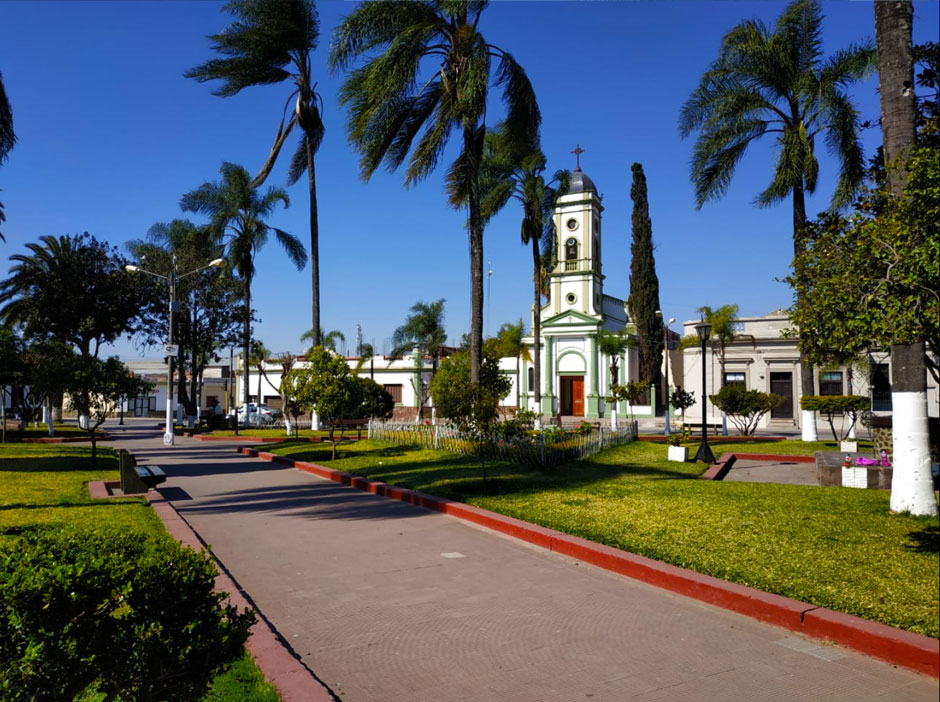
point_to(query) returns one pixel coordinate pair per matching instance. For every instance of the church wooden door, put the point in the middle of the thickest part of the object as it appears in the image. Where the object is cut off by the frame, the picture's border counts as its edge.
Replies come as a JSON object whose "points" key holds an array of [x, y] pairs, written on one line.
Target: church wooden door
{"points": [[577, 397]]}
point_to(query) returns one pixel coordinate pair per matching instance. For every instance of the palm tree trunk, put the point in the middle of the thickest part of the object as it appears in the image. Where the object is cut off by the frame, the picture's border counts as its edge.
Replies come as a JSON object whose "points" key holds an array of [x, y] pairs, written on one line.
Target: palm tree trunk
{"points": [[537, 324], [807, 372], [912, 482], [473, 146], [314, 243], [246, 344]]}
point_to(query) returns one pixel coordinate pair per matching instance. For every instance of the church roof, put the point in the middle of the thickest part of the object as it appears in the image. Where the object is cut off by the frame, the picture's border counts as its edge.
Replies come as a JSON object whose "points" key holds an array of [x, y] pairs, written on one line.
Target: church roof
{"points": [[580, 183]]}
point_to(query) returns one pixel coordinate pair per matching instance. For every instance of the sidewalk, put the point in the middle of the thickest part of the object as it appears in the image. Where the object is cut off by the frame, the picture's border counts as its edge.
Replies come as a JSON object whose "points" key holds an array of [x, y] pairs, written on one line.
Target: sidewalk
{"points": [[389, 602]]}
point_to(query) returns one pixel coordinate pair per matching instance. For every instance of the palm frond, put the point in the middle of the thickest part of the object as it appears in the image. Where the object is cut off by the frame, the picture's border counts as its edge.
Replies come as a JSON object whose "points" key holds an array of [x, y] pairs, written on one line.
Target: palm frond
{"points": [[7, 135], [523, 117], [291, 244]]}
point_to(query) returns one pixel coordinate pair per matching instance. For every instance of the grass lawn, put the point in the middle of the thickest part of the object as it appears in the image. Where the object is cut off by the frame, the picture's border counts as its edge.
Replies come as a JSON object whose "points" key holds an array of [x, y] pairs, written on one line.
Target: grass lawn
{"points": [[42, 431], [44, 485], [833, 547]]}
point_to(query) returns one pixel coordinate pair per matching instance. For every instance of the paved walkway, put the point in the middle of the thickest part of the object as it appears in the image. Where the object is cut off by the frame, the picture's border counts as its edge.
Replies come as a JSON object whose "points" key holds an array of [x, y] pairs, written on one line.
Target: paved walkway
{"points": [[782, 472], [387, 602]]}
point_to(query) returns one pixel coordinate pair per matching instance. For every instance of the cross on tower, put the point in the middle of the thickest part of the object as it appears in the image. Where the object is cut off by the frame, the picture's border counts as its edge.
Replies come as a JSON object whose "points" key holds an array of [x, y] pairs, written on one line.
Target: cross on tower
{"points": [[577, 155]]}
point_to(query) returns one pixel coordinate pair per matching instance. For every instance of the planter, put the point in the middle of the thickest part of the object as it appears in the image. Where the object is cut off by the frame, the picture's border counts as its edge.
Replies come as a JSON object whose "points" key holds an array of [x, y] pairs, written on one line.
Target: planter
{"points": [[679, 454], [848, 447], [854, 477]]}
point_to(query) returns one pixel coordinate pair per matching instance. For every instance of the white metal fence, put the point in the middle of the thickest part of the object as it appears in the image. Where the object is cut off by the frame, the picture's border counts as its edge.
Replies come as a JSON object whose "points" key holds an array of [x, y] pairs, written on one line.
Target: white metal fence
{"points": [[548, 449]]}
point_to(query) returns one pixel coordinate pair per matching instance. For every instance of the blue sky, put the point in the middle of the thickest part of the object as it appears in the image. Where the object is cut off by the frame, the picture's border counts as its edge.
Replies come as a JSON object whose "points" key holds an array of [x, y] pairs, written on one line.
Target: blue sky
{"points": [[110, 135]]}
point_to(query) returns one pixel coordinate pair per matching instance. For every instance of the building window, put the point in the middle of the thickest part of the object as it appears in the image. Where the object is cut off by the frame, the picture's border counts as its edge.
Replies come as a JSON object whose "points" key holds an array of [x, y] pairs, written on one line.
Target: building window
{"points": [[531, 379], [394, 391], [830, 383], [735, 378], [571, 249], [152, 403], [881, 388]]}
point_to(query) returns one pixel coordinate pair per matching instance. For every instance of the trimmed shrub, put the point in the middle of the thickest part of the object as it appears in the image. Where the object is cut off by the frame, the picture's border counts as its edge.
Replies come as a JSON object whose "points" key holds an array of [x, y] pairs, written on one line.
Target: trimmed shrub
{"points": [[128, 615], [744, 407], [831, 405]]}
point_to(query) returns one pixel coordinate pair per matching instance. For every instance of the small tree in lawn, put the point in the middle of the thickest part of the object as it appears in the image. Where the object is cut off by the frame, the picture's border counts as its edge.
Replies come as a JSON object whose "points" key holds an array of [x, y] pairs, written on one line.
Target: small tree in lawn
{"points": [[97, 388], [473, 408], [326, 387], [631, 392], [682, 400], [612, 345], [374, 400], [11, 371], [744, 407], [831, 405]]}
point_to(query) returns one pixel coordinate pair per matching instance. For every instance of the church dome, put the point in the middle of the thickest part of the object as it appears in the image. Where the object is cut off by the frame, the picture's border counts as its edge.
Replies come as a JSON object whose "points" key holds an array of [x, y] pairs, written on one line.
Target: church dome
{"points": [[580, 183]]}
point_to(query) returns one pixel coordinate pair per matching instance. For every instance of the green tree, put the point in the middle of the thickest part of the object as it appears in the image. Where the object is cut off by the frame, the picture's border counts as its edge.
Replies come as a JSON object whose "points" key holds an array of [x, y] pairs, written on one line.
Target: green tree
{"points": [[643, 302], [328, 340], [7, 135], [271, 42], [237, 212], [778, 83], [511, 172], [911, 484], [11, 372], [745, 407], [613, 344], [326, 386], [211, 312], [423, 329], [73, 289], [390, 100], [508, 342], [97, 387], [631, 392], [472, 407]]}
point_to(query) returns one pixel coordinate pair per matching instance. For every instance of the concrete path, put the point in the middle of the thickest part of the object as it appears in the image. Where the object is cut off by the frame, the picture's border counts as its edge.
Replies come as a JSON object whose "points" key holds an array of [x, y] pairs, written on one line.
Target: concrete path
{"points": [[782, 472], [387, 602]]}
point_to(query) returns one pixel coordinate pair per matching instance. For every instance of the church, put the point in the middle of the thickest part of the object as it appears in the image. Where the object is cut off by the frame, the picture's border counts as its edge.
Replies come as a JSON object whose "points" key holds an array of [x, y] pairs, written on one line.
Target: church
{"points": [[575, 373]]}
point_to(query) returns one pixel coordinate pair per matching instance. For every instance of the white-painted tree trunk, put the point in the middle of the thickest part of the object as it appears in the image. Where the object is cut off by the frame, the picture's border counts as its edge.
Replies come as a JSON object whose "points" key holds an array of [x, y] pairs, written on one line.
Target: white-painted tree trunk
{"points": [[613, 418], [911, 481], [808, 422], [83, 421], [50, 415], [314, 421], [288, 427], [853, 418]]}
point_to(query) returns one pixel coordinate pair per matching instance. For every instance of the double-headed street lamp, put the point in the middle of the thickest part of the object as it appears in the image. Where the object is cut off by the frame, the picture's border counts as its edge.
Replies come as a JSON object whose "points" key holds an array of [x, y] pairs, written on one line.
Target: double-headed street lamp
{"points": [[704, 453], [659, 314], [170, 349]]}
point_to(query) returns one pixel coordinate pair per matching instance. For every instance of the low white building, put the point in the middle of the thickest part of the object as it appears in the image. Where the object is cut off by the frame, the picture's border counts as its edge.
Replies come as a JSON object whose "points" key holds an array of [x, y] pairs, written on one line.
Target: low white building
{"points": [[765, 356]]}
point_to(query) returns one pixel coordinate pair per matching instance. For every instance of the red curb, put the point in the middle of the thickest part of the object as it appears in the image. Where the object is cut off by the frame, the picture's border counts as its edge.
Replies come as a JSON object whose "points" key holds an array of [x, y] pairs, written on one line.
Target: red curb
{"points": [[774, 457], [268, 439], [294, 682], [61, 439], [895, 646], [917, 652], [717, 471]]}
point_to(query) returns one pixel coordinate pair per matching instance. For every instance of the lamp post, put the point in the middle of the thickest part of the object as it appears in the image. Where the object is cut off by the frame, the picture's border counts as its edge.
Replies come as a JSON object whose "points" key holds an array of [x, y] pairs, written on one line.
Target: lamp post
{"points": [[667, 431], [168, 436], [704, 453]]}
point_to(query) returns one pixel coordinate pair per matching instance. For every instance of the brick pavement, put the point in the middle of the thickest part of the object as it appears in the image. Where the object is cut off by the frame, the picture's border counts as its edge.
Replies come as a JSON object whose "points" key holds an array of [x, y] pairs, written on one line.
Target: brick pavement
{"points": [[389, 602]]}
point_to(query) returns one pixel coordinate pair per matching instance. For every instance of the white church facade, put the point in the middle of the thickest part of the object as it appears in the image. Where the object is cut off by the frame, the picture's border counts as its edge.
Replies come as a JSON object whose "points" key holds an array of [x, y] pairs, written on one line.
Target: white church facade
{"points": [[576, 376]]}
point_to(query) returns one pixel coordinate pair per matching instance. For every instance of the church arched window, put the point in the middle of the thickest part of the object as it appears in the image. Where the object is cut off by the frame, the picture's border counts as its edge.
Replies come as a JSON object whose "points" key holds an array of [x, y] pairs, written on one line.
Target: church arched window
{"points": [[571, 249], [531, 379]]}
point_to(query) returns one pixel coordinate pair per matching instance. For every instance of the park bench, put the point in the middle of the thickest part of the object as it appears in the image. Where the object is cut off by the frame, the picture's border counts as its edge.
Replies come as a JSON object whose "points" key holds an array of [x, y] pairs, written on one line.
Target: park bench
{"points": [[137, 479], [713, 428], [344, 424]]}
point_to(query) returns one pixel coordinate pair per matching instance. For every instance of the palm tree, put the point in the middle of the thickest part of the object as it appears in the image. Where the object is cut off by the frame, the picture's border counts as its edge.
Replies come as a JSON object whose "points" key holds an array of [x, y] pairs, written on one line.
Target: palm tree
{"points": [[513, 172], [390, 100], [328, 340], [236, 212], [7, 135], [271, 42], [777, 82], [912, 486], [424, 329]]}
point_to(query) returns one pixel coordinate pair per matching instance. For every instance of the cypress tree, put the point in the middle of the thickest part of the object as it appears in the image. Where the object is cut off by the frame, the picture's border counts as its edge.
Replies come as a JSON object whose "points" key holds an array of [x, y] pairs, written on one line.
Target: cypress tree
{"points": [[644, 285]]}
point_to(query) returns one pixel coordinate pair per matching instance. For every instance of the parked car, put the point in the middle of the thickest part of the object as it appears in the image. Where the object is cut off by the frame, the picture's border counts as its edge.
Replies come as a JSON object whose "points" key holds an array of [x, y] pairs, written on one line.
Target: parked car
{"points": [[257, 414]]}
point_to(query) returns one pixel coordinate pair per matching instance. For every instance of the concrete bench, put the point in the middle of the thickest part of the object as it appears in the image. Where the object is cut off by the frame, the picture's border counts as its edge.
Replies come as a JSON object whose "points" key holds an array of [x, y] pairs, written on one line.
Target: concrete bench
{"points": [[135, 479]]}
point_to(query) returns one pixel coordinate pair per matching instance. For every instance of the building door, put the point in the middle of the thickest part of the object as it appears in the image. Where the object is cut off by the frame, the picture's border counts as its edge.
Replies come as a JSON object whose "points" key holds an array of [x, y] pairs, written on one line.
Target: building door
{"points": [[572, 395], [782, 384]]}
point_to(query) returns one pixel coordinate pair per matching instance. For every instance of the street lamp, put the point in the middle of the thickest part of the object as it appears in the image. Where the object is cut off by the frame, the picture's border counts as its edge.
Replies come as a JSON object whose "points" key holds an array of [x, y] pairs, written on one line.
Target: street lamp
{"points": [[667, 430], [704, 453], [170, 350]]}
